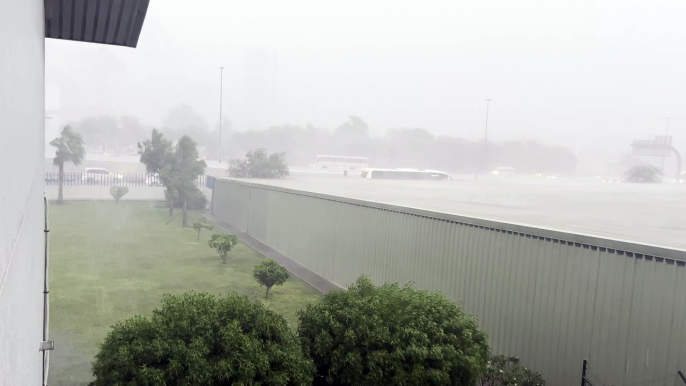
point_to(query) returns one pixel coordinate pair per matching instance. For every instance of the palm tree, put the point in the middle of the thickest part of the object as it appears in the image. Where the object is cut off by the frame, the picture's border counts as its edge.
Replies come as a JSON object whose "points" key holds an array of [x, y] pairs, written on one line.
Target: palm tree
{"points": [[69, 149]]}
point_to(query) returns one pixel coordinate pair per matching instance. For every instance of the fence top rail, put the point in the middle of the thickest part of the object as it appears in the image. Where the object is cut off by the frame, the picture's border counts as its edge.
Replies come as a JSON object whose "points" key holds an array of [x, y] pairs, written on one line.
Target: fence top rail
{"points": [[630, 248]]}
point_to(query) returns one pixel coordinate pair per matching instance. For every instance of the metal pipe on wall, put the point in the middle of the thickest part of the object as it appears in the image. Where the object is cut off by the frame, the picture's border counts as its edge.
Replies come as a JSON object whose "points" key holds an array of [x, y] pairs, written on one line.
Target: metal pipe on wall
{"points": [[46, 345]]}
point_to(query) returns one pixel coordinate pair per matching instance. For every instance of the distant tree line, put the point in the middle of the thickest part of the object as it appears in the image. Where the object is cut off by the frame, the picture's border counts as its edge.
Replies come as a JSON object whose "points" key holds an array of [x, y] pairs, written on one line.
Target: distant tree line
{"points": [[402, 147], [398, 147]]}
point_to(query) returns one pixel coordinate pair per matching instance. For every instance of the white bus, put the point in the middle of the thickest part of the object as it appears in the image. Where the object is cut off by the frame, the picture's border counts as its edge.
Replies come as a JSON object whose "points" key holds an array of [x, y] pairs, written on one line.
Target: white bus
{"points": [[340, 162], [504, 171], [404, 174]]}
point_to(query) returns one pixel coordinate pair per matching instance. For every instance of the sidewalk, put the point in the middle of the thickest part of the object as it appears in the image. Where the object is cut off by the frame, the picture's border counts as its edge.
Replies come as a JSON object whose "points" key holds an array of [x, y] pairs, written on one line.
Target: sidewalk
{"points": [[319, 283]]}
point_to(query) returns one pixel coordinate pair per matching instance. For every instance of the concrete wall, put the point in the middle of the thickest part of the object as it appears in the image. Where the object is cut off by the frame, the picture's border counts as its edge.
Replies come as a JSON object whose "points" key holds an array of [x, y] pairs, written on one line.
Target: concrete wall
{"points": [[21, 191], [552, 298]]}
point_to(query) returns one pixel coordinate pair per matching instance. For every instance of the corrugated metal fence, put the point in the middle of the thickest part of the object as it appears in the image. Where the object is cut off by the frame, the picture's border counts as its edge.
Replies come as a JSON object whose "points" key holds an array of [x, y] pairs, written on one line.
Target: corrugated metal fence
{"points": [[552, 298]]}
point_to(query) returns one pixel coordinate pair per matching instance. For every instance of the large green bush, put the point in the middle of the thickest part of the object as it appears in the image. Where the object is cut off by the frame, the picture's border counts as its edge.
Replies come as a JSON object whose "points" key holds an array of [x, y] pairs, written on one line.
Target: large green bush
{"points": [[392, 335], [200, 339]]}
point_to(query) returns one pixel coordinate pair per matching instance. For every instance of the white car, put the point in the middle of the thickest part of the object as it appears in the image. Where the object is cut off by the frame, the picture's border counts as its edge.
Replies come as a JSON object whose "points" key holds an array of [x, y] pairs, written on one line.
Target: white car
{"points": [[93, 175]]}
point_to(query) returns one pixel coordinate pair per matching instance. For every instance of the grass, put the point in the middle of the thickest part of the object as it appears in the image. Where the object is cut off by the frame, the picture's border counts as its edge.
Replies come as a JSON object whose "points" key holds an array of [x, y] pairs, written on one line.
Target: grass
{"points": [[110, 262]]}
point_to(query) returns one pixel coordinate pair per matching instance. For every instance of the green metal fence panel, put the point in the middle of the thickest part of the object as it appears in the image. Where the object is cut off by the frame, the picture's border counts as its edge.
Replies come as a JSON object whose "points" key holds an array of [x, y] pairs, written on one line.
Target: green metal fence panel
{"points": [[551, 298]]}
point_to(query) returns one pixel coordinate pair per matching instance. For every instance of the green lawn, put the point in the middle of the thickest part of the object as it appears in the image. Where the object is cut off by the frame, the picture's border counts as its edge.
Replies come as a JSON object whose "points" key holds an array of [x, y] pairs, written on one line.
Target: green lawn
{"points": [[109, 262]]}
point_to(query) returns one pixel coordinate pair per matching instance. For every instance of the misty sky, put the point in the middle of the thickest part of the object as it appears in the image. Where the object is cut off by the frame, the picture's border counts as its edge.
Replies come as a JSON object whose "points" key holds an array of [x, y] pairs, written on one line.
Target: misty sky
{"points": [[588, 74]]}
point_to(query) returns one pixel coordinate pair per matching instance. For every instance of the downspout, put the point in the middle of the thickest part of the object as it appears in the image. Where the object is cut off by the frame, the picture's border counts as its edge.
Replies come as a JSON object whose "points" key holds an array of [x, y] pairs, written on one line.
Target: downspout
{"points": [[46, 345]]}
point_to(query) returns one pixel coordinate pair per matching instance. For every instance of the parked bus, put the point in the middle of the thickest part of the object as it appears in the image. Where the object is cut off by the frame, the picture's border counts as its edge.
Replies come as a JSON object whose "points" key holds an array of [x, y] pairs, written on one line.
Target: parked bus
{"points": [[504, 171], [404, 174], [341, 162]]}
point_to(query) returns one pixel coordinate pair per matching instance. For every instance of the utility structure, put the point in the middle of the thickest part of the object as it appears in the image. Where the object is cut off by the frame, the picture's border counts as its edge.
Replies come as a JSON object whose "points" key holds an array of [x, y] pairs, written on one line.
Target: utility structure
{"points": [[484, 156], [221, 89], [662, 169], [485, 165], [661, 146]]}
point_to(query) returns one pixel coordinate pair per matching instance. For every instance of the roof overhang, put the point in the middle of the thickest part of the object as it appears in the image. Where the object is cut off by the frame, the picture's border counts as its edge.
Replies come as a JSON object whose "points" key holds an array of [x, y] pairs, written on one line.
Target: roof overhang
{"points": [[114, 22]]}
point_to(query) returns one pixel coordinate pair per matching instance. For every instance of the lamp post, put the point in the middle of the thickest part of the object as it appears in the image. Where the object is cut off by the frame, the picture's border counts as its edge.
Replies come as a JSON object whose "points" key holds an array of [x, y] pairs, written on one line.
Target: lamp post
{"points": [[662, 169], [484, 156], [221, 89]]}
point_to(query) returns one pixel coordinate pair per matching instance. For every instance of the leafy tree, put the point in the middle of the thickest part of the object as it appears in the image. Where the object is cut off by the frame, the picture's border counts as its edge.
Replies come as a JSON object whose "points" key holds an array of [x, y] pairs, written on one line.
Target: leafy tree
{"points": [[195, 199], [258, 165], [352, 137], [118, 192], [69, 149], [184, 116], [202, 224], [269, 273], [201, 339], [643, 174], [110, 134], [354, 127], [223, 244], [156, 154], [392, 335], [181, 171], [130, 130], [505, 371], [409, 146]]}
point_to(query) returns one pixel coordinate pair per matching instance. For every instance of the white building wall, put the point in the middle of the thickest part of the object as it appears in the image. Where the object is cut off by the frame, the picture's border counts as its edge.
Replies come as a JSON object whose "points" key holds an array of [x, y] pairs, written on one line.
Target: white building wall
{"points": [[22, 111]]}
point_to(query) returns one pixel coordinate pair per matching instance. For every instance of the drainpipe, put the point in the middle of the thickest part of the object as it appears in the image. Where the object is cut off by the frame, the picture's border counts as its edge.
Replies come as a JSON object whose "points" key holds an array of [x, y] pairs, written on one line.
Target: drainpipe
{"points": [[46, 345]]}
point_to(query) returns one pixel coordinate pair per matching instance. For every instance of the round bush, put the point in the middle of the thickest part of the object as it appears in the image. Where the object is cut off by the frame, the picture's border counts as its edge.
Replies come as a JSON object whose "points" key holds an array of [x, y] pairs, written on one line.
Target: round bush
{"points": [[201, 339], [392, 335]]}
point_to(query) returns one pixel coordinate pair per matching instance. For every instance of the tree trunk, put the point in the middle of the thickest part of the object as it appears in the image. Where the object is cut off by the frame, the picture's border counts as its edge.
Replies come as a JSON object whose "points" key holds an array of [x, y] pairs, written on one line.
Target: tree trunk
{"points": [[171, 205], [267, 294], [223, 259], [185, 216], [198, 235], [60, 194]]}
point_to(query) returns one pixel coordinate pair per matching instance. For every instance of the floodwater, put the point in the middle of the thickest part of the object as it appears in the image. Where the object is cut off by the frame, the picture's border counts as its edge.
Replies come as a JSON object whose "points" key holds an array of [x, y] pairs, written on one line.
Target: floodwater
{"points": [[645, 213]]}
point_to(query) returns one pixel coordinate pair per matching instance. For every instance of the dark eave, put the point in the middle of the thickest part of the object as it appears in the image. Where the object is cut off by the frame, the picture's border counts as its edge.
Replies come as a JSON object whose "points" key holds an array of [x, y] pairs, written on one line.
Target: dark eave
{"points": [[115, 22]]}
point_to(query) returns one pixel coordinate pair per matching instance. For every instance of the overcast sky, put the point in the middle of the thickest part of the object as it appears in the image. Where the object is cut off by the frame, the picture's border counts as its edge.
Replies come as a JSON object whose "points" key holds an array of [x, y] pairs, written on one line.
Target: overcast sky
{"points": [[589, 74]]}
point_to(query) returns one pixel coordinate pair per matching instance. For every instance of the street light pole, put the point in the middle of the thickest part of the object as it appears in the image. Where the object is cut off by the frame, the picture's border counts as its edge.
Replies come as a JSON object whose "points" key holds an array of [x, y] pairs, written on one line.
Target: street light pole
{"points": [[665, 156], [221, 89], [484, 156]]}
